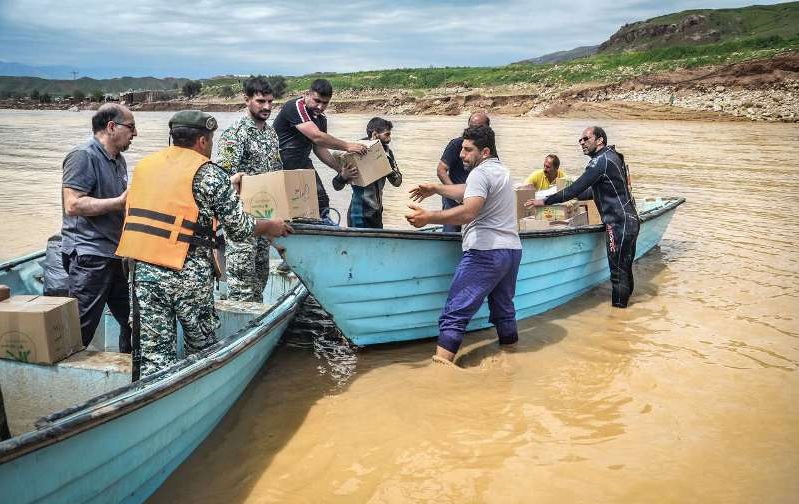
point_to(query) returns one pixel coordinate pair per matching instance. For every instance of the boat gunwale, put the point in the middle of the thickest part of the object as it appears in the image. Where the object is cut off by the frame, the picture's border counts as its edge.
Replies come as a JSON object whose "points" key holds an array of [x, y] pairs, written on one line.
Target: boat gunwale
{"points": [[304, 228], [116, 403]]}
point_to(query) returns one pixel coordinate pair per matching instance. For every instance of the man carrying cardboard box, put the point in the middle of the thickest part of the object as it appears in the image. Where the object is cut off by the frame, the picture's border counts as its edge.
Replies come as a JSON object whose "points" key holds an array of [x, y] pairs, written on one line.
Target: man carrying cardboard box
{"points": [[175, 196], [450, 167], [301, 126], [366, 206], [607, 175], [492, 250], [250, 146]]}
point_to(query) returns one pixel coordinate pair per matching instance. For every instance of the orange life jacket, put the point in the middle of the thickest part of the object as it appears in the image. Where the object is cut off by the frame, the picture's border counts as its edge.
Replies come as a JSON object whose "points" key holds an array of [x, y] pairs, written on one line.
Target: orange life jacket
{"points": [[161, 216]]}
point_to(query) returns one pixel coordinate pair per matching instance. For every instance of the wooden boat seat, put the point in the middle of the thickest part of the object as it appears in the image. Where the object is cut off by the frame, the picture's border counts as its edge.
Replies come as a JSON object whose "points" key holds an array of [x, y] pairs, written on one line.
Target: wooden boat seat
{"points": [[32, 391]]}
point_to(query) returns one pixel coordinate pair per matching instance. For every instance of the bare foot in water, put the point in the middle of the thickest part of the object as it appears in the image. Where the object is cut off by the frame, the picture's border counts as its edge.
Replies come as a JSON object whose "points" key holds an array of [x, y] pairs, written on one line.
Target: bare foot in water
{"points": [[442, 360]]}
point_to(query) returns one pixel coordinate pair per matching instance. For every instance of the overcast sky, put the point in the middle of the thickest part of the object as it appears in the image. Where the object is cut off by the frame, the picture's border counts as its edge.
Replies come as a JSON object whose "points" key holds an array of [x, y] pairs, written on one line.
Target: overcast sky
{"points": [[203, 38]]}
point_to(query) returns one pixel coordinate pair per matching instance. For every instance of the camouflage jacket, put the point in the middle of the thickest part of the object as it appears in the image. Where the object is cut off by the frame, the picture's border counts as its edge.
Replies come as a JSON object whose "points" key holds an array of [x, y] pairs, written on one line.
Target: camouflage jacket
{"points": [[244, 148], [216, 199]]}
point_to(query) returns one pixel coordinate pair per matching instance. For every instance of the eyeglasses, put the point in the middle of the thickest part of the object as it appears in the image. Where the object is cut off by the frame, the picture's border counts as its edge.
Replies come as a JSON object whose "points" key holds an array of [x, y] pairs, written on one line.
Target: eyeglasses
{"points": [[583, 139], [131, 127]]}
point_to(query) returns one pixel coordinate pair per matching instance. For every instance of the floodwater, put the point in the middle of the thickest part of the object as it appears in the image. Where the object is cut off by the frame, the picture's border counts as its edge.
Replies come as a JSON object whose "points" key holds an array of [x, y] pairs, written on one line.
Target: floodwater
{"points": [[689, 395]]}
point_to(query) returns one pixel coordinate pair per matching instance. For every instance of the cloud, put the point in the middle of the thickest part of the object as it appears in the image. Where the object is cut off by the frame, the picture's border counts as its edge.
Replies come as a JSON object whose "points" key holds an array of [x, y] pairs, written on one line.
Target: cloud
{"points": [[209, 37]]}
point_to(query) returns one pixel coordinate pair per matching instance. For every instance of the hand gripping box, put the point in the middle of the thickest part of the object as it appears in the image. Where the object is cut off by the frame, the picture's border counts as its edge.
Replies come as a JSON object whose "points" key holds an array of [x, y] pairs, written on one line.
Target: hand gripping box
{"points": [[372, 166], [39, 329], [282, 194]]}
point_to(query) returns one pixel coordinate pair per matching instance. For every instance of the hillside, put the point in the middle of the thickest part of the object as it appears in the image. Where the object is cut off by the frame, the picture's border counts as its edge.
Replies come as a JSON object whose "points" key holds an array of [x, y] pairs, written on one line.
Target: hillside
{"points": [[706, 26]]}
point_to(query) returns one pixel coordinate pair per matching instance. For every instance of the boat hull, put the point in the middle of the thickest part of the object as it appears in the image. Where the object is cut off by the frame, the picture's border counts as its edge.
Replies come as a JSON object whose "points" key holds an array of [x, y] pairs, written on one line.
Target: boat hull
{"points": [[383, 286]]}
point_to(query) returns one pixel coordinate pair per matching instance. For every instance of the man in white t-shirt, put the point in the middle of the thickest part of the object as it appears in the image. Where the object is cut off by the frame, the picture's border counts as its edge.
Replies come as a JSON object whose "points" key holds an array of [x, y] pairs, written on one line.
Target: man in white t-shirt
{"points": [[492, 250]]}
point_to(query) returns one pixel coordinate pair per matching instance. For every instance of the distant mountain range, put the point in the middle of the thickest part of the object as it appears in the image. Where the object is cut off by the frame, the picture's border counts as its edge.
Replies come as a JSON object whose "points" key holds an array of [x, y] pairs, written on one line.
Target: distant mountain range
{"points": [[10, 68], [702, 26], [557, 57], [25, 85]]}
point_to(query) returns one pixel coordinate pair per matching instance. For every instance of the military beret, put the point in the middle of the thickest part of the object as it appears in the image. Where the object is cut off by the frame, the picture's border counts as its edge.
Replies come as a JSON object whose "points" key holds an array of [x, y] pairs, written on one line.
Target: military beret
{"points": [[193, 119]]}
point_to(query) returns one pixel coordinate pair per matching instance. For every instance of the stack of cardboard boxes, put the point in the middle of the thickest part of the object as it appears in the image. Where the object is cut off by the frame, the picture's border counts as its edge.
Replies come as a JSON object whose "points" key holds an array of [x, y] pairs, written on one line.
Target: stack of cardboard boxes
{"points": [[571, 213]]}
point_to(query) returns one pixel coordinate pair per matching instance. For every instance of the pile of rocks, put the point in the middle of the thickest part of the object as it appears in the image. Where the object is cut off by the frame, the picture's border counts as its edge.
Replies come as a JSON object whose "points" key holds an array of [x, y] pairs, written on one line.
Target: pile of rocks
{"points": [[779, 102]]}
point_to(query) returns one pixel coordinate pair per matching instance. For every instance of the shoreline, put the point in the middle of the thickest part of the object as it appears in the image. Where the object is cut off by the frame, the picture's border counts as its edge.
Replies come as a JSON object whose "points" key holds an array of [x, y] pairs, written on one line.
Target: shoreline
{"points": [[764, 90]]}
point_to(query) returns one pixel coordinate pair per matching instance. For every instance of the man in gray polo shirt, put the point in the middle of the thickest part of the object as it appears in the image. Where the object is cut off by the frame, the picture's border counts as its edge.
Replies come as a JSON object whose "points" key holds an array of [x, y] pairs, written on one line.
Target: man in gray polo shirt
{"points": [[492, 250], [94, 188]]}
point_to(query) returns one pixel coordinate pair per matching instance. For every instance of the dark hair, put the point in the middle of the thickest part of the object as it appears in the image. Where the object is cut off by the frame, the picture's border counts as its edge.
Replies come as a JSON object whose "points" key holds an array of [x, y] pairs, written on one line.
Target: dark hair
{"points": [[257, 85], [106, 114], [555, 160], [187, 137], [323, 87], [600, 133], [377, 124], [482, 136]]}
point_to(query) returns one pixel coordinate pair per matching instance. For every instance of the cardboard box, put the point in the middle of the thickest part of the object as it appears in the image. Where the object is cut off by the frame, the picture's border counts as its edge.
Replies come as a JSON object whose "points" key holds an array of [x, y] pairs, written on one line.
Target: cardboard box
{"points": [[529, 224], [578, 219], [589, 207], [280, 194], [523, 194], [39, 329], [559, 212], [562, 183], [372, 166]]}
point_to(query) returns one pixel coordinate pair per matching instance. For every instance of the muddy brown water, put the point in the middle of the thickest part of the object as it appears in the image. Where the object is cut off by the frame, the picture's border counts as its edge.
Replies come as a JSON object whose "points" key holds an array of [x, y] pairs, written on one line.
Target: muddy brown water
{"points": [[690, 395]]}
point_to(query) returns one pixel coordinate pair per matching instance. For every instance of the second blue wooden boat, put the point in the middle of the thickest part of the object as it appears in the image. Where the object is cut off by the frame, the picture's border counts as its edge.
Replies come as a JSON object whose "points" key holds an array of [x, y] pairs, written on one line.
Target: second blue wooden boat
{"points": [[120, 446]]}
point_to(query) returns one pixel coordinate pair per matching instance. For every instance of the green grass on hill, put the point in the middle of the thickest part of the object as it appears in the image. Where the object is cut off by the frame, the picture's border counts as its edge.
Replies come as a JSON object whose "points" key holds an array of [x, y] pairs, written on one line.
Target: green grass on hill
{"points": [[608, 67], [753, 21]]}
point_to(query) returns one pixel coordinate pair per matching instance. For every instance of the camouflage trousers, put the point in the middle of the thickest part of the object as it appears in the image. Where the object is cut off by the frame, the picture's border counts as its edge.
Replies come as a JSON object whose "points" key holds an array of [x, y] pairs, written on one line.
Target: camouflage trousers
{"points": [[160, 305], [247, 266]]}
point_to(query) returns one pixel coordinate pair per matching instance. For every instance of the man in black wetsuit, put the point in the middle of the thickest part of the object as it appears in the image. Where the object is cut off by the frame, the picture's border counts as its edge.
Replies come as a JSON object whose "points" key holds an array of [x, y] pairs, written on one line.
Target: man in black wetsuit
{"points": [[607, 176]]}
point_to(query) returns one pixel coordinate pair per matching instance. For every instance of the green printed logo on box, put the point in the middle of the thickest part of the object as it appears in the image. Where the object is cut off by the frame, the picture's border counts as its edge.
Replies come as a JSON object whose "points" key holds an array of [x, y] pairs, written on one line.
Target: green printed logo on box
{"points": [[263, 205], [17, 346]]}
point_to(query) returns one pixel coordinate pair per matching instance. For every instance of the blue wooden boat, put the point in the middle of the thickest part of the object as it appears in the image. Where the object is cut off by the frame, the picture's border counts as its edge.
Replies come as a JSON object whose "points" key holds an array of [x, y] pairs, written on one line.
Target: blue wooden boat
{"points": [[120, 446], [383, 286]]}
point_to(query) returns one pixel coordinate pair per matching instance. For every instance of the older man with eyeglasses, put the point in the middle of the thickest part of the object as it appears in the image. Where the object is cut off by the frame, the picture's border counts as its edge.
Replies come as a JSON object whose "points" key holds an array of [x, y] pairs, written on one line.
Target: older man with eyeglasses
{"points": [[608, 177], [94, 190]]}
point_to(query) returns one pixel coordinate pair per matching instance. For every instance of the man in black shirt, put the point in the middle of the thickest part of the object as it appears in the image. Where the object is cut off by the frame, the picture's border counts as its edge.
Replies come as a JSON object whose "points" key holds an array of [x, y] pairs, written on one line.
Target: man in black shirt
{"points": [[301, 126], [607, 176], [450, 167]]}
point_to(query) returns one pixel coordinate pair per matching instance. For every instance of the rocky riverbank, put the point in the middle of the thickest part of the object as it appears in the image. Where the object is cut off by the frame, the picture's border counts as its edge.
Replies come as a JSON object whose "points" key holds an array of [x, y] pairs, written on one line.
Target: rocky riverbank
{"points": [[762, 90]]}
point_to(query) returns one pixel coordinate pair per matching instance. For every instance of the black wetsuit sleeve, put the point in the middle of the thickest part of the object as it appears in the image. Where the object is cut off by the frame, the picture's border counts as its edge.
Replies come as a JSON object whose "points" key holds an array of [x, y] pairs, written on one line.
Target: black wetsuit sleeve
{"points": [[595, 170]]}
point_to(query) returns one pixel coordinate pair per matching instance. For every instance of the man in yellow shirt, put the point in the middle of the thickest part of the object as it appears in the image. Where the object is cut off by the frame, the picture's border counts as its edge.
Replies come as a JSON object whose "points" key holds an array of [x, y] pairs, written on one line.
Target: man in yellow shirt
{"points": [[544, 178]]}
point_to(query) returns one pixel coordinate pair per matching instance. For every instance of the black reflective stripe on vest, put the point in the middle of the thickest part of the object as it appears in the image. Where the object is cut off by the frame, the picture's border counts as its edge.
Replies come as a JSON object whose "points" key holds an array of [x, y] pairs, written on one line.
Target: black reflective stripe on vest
{"points": [[161, 217], [200, 241]]}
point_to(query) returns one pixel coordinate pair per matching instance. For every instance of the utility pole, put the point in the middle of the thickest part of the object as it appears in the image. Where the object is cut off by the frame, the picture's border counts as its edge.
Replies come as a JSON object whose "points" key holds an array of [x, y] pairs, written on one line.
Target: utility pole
{"points": [[74, 74]]}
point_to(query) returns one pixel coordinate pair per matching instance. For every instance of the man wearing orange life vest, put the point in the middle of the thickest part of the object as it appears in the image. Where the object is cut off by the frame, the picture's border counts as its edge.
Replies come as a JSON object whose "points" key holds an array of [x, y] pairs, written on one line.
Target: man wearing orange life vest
{"points": [[173, 198]]}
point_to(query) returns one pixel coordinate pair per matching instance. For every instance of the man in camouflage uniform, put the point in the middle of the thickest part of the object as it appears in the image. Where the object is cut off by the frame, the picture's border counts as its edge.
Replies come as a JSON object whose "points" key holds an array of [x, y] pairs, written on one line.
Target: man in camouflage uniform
{"points": [[163, 294], [250, 146]]}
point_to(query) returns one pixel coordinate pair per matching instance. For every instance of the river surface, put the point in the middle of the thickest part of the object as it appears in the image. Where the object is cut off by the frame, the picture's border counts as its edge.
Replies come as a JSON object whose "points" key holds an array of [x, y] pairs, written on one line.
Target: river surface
{"points": [[689, 395]]}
